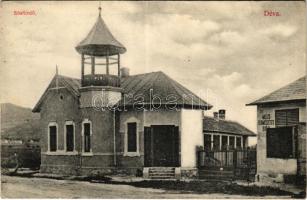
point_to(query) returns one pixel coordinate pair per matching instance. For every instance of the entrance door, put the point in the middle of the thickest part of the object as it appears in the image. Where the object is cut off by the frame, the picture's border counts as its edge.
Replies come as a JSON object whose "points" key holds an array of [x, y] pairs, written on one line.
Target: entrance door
{"points": [[161, 146]]}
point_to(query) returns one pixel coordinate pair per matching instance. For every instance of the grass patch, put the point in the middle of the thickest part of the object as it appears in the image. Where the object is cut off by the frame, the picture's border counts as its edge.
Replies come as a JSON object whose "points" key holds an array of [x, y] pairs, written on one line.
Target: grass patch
{"points": [[209, 187]]}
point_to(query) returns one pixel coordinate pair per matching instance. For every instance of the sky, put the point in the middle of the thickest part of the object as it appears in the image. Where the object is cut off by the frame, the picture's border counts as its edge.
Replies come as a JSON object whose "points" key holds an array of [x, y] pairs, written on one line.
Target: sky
{"points": [[229, 53]]}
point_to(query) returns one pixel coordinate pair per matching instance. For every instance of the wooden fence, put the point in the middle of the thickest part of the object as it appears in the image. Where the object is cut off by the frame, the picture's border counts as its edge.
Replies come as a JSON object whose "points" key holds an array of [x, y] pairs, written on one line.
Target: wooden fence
{"points": [[242, 162]]}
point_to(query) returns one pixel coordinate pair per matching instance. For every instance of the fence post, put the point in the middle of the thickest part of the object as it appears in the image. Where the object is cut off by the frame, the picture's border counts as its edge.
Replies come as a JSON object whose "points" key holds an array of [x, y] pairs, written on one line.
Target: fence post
{"points": [[234, 162]]}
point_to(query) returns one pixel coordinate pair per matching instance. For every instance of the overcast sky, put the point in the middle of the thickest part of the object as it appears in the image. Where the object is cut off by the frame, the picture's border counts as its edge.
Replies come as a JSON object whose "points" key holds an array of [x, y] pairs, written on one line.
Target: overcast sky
{"points": [[227, 52]]}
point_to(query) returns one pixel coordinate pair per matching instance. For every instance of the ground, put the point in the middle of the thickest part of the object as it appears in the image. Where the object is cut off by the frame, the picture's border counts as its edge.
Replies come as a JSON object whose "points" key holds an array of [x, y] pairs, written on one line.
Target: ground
{"points": [[22, 187]]}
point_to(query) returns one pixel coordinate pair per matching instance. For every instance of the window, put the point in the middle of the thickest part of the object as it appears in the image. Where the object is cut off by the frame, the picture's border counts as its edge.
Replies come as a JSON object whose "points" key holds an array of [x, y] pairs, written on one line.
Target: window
{"points": [[288, 117], [224, 142], [238, 143], [280, 142], [70, 136], [131, 137], [87, 132], [207, 142], [52, 137], [216, 142], [231, 142]]}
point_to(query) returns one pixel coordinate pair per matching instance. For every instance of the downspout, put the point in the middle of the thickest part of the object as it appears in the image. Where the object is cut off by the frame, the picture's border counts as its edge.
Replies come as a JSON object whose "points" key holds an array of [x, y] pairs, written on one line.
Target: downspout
{"points": [[80, 154], [114, 138]]}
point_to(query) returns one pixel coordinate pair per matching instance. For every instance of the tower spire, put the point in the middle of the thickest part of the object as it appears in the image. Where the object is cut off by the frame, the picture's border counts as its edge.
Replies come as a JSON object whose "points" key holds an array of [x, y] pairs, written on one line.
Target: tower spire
{"points": [[99, 8], [56, 77]]}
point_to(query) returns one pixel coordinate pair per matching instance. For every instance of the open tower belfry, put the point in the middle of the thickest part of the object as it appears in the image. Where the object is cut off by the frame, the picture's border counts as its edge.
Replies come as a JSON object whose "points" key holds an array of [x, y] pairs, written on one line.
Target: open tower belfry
{"points": [[100, 50]]}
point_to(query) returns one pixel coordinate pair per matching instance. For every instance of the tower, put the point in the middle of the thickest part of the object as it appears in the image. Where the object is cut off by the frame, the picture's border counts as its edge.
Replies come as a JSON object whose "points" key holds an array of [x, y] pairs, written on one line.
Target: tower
{"points": [[100, 52]]}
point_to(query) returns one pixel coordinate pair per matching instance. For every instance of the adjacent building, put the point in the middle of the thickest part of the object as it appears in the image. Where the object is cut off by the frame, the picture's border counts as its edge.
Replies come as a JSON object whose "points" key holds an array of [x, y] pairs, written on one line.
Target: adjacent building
{"points": [[281, 127], [222, 134]]}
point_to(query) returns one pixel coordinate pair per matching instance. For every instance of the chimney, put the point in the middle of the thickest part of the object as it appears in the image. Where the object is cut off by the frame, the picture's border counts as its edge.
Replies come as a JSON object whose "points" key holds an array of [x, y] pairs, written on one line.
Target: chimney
{"points": [[216, 115], [222, 114], [124, 72]]}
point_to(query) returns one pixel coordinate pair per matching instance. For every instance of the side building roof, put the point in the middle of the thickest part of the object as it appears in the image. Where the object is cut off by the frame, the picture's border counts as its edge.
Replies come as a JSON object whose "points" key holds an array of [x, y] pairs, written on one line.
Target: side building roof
{"points": [[291, 92], [146, 85], [225, 126]]}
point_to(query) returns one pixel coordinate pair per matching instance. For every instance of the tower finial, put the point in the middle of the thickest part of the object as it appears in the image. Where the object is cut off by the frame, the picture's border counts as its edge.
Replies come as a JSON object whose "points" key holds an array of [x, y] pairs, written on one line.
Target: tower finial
{"points": [[56, 77], [99, 8]]}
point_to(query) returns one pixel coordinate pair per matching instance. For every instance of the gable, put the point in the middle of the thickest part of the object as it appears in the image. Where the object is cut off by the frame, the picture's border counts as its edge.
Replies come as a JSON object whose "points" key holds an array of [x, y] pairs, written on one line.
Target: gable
{"points": [[57, 83]]}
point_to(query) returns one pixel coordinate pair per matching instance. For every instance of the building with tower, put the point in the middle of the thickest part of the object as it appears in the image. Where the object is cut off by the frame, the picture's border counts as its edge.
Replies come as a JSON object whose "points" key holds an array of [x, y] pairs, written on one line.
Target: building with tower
{"points": [[112, 122]]}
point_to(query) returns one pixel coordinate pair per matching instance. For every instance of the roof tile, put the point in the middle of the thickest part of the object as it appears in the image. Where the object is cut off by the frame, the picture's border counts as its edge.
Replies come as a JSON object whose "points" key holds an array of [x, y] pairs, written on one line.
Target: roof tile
{"points": [[225, 126], [293, 91]]}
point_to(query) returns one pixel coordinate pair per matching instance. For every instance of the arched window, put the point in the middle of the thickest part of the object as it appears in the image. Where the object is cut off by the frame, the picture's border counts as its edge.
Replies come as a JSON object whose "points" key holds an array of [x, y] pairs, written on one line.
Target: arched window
{"points": [[69, 136], [86, 136], [131, 137]]}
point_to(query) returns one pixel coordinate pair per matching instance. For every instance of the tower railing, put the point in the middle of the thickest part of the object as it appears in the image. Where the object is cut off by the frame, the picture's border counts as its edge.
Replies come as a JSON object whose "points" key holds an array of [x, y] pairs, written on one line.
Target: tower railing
{"points": [[100, 80]]}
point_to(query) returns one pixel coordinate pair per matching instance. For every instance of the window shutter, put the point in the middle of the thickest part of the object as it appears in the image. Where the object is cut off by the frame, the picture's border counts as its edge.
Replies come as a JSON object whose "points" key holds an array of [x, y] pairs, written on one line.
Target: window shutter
{"points": [[289, 117], [292, 117], [281, 118]]}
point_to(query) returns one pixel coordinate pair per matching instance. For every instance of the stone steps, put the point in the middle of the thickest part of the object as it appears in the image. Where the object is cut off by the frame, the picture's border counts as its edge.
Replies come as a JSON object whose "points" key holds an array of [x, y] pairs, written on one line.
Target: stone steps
{"points": [[161, 173]]}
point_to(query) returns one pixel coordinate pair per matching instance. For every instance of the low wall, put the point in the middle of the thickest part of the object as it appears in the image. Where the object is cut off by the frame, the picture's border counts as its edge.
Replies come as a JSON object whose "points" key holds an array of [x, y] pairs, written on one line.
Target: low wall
{"points": [[28, 156]]}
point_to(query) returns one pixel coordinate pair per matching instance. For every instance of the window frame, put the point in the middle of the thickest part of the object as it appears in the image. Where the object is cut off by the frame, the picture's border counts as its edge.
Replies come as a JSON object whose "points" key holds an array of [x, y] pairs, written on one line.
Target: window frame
{"points": [[90, 153], [57, 137], [137, 152], [69, 122]]}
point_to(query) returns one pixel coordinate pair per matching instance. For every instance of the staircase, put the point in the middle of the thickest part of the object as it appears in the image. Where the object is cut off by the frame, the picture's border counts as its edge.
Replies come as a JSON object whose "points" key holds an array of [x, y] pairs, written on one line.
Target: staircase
{"points": [[161, 172], [216, 174]]}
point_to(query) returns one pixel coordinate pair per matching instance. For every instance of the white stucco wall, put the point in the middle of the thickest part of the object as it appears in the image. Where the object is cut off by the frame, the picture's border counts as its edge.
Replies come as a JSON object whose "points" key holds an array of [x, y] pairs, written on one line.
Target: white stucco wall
{"points": [[98, 97], [275, 165], [191, 136], [161, 117]]}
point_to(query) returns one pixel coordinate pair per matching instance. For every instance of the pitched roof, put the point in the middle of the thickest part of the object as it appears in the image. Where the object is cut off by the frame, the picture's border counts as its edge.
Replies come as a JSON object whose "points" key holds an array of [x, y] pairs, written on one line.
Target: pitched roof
{"points": [[160, 85], [99, 41], [293, 91], [146, 85], [225, 126]]}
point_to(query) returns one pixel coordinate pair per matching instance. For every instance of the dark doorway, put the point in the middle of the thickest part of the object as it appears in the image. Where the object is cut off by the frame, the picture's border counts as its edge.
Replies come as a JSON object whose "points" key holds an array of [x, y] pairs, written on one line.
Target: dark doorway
{"points": [[161, 144]]}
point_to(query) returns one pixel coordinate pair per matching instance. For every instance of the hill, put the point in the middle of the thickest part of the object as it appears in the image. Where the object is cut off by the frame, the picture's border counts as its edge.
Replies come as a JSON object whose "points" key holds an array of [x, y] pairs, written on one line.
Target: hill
{"points": [[19, 123]]}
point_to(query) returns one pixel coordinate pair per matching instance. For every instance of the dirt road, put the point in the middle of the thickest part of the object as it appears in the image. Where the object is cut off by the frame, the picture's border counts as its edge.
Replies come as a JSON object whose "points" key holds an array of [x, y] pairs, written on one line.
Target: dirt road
{"points": [[17, 187]]}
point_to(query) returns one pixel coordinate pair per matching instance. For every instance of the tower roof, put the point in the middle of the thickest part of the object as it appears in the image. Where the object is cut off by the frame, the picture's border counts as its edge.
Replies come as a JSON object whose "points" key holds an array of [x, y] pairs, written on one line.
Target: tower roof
{"points": [[100, 41]]}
